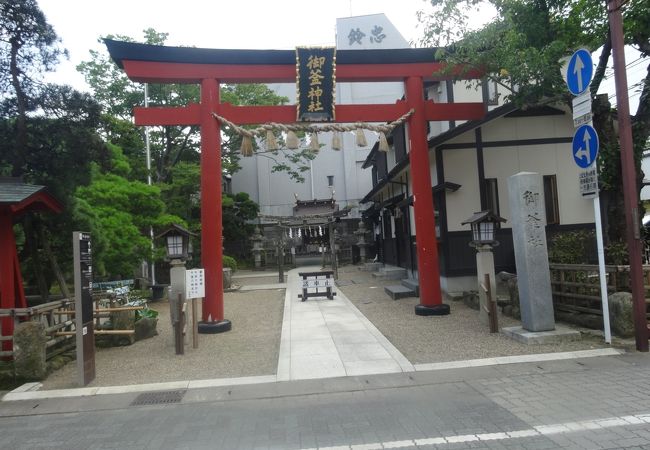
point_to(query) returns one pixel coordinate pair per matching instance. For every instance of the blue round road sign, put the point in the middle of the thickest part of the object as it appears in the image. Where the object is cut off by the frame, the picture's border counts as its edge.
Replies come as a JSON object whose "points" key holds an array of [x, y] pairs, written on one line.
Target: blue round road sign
{"points": [[585, 146], [579, 72]]}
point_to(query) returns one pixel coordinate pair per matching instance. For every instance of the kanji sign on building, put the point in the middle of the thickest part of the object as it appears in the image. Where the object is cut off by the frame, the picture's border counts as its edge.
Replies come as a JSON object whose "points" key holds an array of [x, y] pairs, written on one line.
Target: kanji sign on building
{"points": [[315, 83]]}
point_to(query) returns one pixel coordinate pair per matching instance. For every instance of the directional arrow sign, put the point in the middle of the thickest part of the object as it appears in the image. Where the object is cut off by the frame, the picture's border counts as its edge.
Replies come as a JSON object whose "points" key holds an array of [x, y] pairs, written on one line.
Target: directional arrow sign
{"points": [[585, 146], [579, 72]]}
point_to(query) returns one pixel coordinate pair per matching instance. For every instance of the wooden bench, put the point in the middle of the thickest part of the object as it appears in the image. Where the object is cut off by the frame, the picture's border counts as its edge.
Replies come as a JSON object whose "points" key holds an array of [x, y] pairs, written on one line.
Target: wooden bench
{"points": [[318, 281]]}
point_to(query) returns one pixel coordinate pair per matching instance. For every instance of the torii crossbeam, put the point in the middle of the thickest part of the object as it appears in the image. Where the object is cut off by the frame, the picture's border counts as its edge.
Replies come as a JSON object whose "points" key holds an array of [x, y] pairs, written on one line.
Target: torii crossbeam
{"points": [[211, 67]]}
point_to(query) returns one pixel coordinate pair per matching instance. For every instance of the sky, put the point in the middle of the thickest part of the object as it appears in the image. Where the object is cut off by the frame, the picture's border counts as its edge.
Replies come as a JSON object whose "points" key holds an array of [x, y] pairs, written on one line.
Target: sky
{"points": [[245, 24]]}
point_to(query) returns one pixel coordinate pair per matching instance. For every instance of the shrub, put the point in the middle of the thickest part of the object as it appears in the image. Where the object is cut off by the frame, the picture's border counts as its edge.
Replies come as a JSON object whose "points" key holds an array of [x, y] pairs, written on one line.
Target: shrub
{"points": [[572, 247], [229, 261], [616, 253]]}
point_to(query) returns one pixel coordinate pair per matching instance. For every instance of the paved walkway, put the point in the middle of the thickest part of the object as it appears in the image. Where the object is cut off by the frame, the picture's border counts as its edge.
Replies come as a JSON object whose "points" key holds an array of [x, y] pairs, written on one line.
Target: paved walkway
{"points": [[324, 338]]}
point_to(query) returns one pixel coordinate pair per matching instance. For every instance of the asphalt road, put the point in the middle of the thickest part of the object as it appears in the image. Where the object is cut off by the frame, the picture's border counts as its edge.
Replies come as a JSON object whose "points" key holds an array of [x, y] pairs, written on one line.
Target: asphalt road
{"points": [[599, 402]]}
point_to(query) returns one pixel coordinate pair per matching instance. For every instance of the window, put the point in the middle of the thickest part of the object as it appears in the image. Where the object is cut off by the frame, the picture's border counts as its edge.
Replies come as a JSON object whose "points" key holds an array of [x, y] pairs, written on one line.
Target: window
{"points": [[330, 180], [492, 195], [551, 200], [493, 93]]}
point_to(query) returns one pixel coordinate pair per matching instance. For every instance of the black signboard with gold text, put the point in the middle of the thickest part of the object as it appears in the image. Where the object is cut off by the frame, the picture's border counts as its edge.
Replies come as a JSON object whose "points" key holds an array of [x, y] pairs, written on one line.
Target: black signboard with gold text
{"points": [[315, 83]]}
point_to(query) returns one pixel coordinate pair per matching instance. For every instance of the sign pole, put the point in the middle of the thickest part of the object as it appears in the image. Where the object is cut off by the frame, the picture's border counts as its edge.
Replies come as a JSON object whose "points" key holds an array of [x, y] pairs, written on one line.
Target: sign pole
{"points": [[601, 270], [585, 147], [195, 323], [195, 291]]}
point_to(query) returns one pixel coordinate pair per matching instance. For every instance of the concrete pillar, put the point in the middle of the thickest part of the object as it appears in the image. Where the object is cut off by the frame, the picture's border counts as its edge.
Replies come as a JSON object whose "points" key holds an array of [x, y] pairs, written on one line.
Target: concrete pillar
{"points": [[177, 281], [485, 265]]}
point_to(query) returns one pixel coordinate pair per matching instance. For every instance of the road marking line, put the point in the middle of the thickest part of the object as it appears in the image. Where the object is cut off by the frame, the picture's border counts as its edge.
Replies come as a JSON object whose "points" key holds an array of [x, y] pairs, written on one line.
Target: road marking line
{"points": [[539, 430]]}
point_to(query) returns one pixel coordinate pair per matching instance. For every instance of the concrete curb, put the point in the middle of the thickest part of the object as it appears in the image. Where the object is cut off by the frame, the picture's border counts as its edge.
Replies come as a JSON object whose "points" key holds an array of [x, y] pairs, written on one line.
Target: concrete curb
{"points": [[20, 393]]}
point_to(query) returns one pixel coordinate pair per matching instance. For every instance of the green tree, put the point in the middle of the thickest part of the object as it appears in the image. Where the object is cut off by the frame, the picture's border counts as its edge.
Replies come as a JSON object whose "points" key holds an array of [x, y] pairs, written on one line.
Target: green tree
{"points": [[46, 134], [521, 49], [28, 48], [118, 96], [182, 193], [238, 211], [171, 145], [118, 212], [61, 144]]}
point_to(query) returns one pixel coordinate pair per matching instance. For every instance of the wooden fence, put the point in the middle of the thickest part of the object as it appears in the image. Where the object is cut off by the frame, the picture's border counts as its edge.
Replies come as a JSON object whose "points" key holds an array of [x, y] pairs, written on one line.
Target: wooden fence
{"points": [[56, 316], [58, 319], [576, 287]]}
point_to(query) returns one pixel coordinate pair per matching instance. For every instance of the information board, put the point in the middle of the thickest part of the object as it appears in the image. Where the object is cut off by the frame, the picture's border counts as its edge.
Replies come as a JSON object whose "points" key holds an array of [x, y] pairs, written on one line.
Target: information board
{"points": [[588, 182], [195, 283], [85, 332]]}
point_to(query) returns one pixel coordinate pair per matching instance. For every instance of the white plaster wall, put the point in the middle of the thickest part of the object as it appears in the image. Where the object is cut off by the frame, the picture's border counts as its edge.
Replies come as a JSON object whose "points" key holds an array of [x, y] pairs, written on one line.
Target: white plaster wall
{"points": [[502, 162], [463, 92], [548, 159], [461, 168]]}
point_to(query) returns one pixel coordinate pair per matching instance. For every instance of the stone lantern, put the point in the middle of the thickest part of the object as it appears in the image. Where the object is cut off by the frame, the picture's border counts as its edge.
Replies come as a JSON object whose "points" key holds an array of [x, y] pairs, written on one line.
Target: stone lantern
{"points": [[484, 224], [361, 241], [179, 249], [257, 247]]}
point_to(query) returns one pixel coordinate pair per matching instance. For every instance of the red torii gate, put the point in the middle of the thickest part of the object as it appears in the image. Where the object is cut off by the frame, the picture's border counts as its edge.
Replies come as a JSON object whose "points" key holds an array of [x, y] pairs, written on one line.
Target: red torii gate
{"points": [[210, 67]]}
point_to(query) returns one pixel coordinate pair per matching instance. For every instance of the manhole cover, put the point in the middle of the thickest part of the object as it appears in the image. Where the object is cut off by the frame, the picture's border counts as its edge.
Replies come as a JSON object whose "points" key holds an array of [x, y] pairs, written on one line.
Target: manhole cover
{"points": [[159, 398]]}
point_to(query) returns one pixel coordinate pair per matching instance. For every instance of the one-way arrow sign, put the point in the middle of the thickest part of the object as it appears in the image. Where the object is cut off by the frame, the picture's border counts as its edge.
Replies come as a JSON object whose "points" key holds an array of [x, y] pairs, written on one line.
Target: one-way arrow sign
{"points": [[580, 71]]}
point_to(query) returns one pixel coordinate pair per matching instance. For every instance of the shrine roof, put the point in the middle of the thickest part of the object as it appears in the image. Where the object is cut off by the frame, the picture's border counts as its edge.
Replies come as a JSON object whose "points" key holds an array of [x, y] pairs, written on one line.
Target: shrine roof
{"points": [[120, 51], [17, 192], [21, 197]]}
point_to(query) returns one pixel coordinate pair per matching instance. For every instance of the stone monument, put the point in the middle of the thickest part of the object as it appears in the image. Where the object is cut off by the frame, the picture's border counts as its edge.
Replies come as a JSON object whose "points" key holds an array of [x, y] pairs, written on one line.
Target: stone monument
{"points": [[528, 218]]}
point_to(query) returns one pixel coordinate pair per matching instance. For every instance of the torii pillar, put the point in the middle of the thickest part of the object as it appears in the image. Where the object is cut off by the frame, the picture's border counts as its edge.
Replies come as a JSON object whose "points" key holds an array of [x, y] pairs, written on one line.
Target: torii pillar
{"points": [[211, 228], [210, 67], [427, 242]]}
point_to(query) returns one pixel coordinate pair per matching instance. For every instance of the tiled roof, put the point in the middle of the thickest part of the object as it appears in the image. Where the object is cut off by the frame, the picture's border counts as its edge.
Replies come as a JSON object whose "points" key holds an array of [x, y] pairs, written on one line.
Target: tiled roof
{"points": [[13, 192]]}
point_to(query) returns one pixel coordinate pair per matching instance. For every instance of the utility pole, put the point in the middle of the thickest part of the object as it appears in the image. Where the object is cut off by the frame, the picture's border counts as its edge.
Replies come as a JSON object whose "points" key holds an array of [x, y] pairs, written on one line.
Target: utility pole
{"points": [[630, 188]]}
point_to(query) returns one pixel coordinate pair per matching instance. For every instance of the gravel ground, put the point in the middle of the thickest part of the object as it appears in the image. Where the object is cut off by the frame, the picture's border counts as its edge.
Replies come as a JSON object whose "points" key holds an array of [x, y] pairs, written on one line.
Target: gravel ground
{"points": [[250, 348], [455, 337], [267, 277]]}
